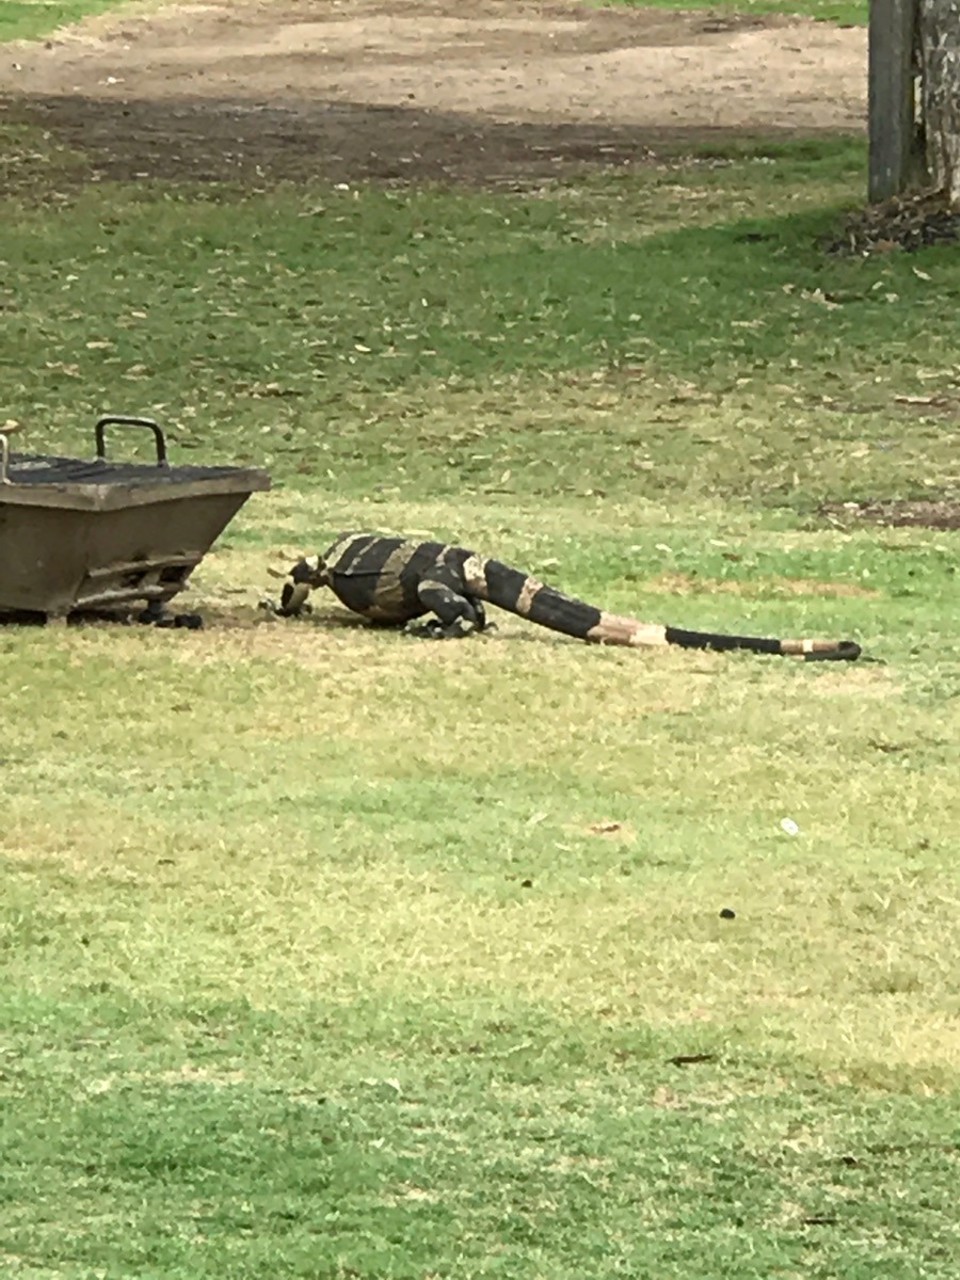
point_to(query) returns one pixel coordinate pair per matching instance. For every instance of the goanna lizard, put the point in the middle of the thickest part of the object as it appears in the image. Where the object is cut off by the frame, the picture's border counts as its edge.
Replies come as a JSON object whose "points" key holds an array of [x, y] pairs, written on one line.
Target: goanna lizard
{"points": [[400, 581]]}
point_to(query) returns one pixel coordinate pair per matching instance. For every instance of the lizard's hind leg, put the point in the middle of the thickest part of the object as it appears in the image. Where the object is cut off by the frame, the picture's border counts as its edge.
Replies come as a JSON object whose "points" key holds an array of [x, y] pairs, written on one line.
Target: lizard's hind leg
{"points": [[456, 614]]}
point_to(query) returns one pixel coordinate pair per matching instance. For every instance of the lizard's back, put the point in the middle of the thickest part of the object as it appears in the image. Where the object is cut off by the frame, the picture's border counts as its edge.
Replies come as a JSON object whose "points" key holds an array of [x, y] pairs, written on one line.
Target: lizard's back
{"points": [[378, 576]]}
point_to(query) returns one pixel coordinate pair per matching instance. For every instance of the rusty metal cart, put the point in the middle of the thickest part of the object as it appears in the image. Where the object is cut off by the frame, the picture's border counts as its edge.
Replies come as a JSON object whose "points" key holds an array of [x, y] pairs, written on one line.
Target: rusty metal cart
{"points": [[82, 536]]}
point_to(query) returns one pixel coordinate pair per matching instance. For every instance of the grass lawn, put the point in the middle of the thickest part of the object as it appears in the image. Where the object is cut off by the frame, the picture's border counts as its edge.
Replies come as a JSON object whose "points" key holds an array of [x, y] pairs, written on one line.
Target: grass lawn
{"points": [[331, 953], [29, 19], [846, 12]]}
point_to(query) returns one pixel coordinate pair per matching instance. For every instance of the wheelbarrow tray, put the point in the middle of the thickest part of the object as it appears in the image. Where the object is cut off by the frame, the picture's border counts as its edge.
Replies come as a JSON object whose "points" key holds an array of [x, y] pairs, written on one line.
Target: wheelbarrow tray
{"points": [[79, 535]]}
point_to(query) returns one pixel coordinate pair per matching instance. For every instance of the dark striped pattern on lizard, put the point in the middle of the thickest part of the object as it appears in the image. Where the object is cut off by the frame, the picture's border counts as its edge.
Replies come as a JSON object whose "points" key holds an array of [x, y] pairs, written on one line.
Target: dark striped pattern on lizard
{"points": [[438, 589]]}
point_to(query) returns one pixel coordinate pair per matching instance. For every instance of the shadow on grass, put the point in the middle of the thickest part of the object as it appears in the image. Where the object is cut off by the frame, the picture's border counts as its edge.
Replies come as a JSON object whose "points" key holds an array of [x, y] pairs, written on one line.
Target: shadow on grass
{"points": [[678, 319]]}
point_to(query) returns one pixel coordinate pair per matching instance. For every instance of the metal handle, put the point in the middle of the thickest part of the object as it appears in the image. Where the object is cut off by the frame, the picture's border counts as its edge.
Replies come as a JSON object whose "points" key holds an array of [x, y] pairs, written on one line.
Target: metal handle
{"points": [[112, 420], [5, 460]]}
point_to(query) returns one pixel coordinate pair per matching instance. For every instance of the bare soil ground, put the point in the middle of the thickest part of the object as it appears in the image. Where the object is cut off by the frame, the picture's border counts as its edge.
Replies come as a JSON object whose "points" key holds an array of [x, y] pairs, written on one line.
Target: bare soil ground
{"points": [[494, 91]]}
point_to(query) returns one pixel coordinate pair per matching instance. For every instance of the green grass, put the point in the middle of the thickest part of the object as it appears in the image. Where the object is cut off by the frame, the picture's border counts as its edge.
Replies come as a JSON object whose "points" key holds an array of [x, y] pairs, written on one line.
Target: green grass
{"points": [[845, 12], [330, 953], [468, 335], [30, 19]]}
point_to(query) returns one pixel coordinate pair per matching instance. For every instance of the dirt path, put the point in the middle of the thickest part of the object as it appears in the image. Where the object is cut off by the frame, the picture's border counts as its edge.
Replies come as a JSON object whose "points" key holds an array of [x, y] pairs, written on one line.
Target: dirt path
{"points": [[401, 89]]}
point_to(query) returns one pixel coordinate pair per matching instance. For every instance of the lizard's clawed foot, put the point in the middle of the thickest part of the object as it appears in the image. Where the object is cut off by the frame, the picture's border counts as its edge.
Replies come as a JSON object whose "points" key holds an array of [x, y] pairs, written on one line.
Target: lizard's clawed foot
{"points": [[434, 629], [482, 623]]}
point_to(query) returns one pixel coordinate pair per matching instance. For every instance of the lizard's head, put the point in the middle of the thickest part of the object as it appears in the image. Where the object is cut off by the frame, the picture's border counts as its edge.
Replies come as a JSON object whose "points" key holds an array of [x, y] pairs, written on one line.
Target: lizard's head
{"points": [[306, 574], [311, 571]]}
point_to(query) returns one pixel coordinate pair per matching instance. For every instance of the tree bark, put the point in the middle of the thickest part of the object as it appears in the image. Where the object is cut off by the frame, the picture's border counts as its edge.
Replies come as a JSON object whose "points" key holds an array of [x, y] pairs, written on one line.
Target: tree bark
{"points": [[939, 49]]}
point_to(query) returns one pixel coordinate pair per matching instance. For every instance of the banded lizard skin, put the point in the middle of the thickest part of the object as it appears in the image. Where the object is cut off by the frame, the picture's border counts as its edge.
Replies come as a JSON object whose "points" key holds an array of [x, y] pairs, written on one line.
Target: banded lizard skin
{"points": [[399, 581]]}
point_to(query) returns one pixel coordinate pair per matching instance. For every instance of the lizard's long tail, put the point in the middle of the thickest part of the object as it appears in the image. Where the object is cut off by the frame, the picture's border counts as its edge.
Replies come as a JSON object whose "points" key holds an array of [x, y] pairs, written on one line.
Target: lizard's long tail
{"points": [[528, 598]]}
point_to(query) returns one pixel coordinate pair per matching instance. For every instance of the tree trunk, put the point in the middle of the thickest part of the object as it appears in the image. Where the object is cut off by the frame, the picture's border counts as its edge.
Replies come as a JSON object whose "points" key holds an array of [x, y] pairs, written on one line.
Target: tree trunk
{"points": [[939, 49]]}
